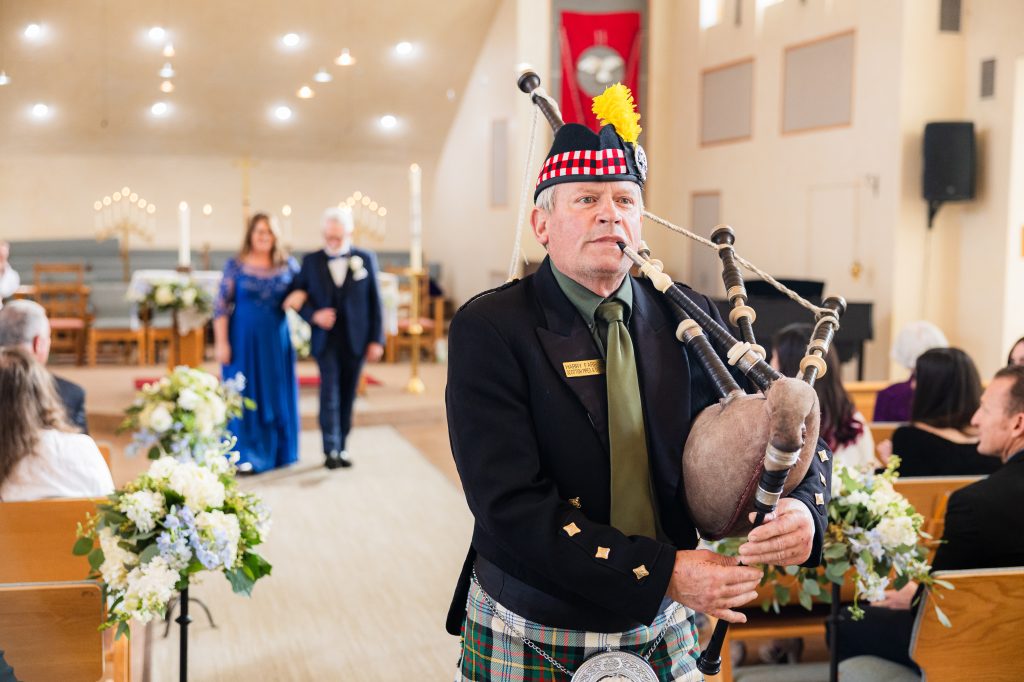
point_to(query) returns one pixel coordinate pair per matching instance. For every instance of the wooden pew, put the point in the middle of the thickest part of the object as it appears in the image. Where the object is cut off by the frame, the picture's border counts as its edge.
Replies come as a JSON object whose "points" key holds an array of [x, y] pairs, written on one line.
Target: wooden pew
{"points": [[36, 540], [49, 631], [105, 450], [927, 493], [987, 613], [883, 430], [35, 547]]}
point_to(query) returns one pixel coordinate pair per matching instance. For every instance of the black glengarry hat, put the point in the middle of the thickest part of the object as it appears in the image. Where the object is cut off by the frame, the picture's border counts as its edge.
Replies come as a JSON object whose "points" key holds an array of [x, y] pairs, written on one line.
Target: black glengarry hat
{"points": [[579, 155]]}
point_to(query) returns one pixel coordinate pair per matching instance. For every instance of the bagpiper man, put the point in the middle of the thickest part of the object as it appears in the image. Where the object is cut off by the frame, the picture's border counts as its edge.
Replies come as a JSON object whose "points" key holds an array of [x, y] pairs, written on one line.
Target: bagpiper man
{"points": [[569, 401]]}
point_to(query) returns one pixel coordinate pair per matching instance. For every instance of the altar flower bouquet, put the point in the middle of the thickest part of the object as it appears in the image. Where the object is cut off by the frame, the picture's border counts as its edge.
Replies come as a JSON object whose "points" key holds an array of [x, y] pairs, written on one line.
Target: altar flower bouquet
{"points": [[175, 521], [874, 535], [184, 414], [185, 296]]}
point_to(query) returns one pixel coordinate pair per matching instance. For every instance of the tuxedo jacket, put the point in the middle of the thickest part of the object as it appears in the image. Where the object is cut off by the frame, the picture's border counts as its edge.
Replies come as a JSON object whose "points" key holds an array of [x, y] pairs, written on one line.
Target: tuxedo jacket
{"points": [[984, 522], [73, 397], [530, 440], [358, 304]]}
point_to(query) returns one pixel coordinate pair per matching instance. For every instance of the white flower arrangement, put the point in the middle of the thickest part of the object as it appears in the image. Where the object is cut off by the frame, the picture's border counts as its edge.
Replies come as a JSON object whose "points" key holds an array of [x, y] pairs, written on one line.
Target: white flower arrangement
{"points": [[175, 521], [184, 414], [874, 535], [185, 296]]}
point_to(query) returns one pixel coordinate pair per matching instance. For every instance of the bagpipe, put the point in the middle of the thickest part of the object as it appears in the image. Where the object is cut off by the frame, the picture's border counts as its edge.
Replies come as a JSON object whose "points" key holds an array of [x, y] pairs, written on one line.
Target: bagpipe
{"points": [[748, 450]]}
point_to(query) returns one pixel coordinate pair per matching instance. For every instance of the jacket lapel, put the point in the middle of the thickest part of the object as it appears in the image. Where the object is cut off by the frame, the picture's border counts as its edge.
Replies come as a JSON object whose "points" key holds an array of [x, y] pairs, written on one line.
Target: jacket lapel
{"points": [[566, 339]]}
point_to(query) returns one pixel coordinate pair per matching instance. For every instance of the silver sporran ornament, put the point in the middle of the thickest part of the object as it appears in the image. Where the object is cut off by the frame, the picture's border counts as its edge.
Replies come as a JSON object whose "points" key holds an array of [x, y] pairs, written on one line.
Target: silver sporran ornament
{"points": [[615, 666]]}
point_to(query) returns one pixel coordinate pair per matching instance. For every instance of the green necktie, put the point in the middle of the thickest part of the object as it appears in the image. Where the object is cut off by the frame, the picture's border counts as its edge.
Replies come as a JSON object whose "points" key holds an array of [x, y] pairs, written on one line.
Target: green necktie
{"points": [[632, 509]]}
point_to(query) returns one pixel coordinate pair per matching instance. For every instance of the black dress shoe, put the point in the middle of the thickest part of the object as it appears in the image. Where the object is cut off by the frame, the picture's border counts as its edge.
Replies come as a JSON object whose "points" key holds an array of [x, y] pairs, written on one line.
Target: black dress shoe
{"points": [[331, 460], [344, 461]]}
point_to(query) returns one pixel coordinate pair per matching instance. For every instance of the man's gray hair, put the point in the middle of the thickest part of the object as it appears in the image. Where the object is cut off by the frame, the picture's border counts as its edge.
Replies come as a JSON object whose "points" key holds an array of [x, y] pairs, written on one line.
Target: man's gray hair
{"points": [[341, 215], [21, 322], [545, 201]]}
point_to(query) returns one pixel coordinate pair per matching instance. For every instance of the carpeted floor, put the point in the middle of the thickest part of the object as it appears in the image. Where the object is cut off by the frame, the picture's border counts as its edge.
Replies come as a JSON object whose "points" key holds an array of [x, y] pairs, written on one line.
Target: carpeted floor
{"points": [[364, 563]]}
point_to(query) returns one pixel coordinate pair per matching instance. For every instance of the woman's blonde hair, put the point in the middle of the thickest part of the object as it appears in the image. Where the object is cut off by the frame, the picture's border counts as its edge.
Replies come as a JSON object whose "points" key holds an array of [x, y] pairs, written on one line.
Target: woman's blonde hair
{"points": [[278, 254], [29, 404]]}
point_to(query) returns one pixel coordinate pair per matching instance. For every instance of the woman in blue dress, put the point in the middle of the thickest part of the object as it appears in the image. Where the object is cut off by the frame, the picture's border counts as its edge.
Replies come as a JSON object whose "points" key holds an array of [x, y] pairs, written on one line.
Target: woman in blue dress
{"points": [[251, 337]]}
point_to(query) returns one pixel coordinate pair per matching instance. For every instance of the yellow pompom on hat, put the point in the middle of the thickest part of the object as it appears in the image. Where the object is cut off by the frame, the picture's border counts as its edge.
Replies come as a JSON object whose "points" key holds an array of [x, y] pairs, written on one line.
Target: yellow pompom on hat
{"points": [[578, 154], [615, 106]]}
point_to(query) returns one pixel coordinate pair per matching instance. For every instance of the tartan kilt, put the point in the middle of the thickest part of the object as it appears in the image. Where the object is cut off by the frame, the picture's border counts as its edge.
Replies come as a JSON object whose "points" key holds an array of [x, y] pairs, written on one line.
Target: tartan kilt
{"points": [[492, 654]]}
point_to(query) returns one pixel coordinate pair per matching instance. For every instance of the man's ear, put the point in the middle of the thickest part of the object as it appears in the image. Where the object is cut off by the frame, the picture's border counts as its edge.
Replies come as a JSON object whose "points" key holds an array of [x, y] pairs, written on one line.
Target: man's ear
{"points": [[540, 221], [1017, 427]]}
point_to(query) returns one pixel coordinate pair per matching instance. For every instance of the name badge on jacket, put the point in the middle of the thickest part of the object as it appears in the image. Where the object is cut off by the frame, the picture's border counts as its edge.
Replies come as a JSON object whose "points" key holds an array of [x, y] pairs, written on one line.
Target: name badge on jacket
{"points": [[583, 368]]}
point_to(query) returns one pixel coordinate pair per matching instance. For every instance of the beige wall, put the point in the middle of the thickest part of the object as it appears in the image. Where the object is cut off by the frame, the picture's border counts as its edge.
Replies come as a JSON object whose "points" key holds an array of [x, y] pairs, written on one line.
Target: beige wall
{"points": [[51, 197], [989, 316]]}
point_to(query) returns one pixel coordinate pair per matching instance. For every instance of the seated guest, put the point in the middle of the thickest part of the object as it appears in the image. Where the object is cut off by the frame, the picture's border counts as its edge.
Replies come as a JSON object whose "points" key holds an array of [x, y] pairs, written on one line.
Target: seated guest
{"points": [[9, 279], [984, 525], [40, 456], [24, 324], [892, 404], [940, 440], [1016, 356], [842, 427]]}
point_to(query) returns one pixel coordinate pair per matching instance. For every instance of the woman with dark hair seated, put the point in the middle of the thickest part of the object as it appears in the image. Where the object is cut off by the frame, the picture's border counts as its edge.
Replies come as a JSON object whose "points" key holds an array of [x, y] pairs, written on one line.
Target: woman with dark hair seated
{"points": [[843, 428], [940, 440]]}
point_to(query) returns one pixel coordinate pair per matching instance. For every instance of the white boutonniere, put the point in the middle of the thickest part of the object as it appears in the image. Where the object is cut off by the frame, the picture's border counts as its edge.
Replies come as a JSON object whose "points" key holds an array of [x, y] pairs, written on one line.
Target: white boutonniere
{"points": [[358, 268]]}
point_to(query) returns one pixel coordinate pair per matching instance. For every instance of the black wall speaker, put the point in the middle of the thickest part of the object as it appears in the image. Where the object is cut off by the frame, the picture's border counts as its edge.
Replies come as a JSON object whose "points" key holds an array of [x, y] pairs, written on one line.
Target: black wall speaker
{"points": [[949, 169]]}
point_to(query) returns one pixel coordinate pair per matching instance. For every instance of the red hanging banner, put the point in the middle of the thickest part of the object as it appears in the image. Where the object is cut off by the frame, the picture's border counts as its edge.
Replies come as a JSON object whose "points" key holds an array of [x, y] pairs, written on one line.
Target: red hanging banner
{"points": [[597, 50]]}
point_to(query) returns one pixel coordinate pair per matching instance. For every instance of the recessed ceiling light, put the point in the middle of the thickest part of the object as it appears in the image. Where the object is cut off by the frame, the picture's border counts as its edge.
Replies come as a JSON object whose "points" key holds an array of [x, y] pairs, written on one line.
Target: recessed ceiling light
{"points": [[322, 76], [291, 40], [388, 121], [159, 109], [404, 48], [40, 110], [167, 86], [282, 112], [345, 58], [157, 34], [34, 31], [167, 71], [4, 78], [305, 92], [286, 210], [168, 50]]}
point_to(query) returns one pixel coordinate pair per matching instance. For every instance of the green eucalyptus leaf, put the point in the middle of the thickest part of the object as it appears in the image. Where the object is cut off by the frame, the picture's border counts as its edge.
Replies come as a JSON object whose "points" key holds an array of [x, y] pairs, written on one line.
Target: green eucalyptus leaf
{"points": [[82, 546], [149, 553], [941, 615], [96, 558]]}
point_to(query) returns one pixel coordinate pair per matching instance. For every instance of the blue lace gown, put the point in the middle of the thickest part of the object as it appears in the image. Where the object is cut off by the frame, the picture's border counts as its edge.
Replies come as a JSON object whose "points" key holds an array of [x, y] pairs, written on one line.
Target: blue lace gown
{"points": [[261, 349]]}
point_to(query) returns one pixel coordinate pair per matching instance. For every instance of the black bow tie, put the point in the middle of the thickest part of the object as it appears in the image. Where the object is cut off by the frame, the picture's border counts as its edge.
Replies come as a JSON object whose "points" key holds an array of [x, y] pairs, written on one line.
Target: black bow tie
{"points": [[347, 254]]}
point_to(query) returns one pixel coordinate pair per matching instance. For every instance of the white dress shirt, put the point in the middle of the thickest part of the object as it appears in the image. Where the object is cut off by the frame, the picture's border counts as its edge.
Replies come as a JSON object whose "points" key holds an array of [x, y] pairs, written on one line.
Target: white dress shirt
{"points": [[65, 465], [338, 268], [9, 281]]}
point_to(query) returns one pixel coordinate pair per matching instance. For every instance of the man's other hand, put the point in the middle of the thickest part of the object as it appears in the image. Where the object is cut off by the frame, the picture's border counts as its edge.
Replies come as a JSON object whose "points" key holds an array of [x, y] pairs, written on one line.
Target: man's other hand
{"points": [[713, 584], [374, 352], [785, 539], [325, 318]]}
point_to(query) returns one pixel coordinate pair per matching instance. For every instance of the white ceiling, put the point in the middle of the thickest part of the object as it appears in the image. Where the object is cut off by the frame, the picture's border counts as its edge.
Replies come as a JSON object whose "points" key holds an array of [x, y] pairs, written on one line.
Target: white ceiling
{"points": [[98, 71]]}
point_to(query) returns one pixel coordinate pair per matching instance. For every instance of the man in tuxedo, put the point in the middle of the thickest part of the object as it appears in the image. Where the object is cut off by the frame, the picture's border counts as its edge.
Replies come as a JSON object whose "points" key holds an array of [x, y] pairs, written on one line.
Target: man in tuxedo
{"points": [[568, 445], [24, 323], [343, 306], [984, 527]]}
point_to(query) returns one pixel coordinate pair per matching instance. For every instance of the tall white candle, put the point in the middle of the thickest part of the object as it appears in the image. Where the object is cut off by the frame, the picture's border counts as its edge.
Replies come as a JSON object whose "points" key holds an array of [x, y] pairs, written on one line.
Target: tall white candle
{"points": [[415, 218], [184, 236]]}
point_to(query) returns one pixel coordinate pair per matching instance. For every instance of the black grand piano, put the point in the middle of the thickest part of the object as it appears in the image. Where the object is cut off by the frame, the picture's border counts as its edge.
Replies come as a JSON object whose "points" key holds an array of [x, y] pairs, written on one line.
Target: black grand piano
{"points": [[775, 311]]}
